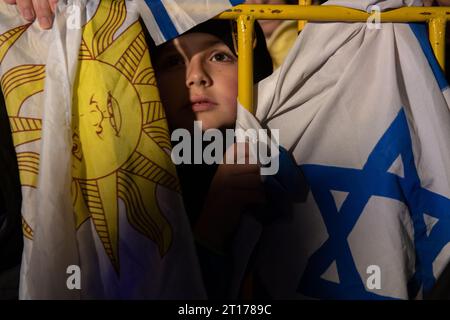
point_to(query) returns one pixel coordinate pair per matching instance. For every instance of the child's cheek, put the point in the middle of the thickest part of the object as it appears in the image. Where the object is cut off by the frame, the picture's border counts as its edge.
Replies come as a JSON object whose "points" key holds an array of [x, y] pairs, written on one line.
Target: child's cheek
{"points": [[232, 87]]}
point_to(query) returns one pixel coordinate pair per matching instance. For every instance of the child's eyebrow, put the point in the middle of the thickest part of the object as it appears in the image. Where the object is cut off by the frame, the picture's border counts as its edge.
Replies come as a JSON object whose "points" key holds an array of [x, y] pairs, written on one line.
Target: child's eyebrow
{"points": [[170, 48], [214, 42]]}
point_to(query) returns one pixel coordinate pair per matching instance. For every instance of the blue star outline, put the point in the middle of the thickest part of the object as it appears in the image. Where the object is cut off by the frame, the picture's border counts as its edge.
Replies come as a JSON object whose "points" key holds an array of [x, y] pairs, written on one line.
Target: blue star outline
{"points": [[373, 180]]}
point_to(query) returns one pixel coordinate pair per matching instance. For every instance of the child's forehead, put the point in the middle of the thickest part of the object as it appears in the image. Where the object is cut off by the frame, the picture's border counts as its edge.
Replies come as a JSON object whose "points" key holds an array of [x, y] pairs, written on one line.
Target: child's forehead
{"points": [[194, 40]]}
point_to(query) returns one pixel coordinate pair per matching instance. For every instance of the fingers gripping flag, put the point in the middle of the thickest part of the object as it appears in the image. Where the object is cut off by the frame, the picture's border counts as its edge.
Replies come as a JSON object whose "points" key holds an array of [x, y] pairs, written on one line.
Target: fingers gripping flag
{"points": [[364, 113], [166, 19], [99, 189]]}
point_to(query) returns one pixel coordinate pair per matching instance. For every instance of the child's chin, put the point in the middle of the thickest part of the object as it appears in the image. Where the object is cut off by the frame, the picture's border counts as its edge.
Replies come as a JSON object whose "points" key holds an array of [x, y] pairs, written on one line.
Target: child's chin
{"points": [[206, 127], [211, 122], [215, 125]]}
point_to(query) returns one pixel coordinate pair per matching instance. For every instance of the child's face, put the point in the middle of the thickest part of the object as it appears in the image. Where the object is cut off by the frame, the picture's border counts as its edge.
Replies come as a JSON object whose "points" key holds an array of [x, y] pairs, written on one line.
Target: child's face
{"points": [[197, 78]]}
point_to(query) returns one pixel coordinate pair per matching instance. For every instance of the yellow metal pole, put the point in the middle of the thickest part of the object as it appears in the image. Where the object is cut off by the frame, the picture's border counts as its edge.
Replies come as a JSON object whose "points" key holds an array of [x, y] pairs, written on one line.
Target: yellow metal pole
{"points": [[245, 29], [302, 23], [245, 26], [435, 16], [332, 13], [436, 28]]}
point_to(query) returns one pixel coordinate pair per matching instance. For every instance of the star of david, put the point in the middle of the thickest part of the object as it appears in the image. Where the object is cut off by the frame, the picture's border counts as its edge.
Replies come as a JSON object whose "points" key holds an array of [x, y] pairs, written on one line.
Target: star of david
{"points": [[374, 179]]}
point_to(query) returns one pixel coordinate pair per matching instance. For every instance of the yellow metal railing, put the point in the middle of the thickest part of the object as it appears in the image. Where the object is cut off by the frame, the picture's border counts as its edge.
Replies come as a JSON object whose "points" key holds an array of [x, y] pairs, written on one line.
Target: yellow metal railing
{"points": [[302, 23], [245, 15]]}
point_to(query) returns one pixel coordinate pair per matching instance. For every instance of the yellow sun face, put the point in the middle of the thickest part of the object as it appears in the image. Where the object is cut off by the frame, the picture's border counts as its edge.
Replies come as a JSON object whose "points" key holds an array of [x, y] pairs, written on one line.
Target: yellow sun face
{"points": [[109, 120], [120, 137]]}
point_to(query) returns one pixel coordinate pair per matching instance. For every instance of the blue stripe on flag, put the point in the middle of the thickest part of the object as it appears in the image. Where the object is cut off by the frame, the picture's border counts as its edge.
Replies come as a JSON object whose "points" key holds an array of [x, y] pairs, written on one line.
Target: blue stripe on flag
{"points": [[162, 18], [236, 2], [421, 33]]}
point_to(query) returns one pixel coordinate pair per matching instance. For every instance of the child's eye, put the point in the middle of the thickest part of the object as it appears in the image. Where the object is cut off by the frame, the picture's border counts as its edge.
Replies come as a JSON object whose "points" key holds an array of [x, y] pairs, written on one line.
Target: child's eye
{"points": [[222, 57]]}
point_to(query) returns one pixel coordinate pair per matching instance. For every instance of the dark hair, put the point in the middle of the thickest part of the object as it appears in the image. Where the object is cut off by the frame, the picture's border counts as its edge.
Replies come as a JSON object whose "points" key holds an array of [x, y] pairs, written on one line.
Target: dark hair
{"points": [[225, 30]]}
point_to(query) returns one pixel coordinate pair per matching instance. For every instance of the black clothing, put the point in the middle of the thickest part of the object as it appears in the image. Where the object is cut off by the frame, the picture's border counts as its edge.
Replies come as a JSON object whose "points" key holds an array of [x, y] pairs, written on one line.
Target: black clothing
{"points": [[11, 242]]}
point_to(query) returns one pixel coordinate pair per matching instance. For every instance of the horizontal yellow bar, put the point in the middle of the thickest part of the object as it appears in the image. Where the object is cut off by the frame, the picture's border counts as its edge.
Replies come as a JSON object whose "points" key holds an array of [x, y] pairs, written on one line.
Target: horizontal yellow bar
{"points": [[333, 13]]}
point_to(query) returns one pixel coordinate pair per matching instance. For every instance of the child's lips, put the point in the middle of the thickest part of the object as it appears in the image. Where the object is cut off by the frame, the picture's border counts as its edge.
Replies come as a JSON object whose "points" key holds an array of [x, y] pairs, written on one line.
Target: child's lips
{"points": [[199, 104], [202, 106]]}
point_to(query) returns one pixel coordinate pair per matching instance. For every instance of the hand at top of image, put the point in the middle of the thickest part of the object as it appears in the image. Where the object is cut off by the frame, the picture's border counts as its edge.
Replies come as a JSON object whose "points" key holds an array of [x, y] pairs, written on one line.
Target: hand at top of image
{"points": [[42, 10]]}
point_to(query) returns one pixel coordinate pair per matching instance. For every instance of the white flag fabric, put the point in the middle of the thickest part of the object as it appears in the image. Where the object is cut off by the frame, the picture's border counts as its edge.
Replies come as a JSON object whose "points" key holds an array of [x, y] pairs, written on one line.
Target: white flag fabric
{"points": [[102, 211], [166, 19], [363, 112], [366, 5]]}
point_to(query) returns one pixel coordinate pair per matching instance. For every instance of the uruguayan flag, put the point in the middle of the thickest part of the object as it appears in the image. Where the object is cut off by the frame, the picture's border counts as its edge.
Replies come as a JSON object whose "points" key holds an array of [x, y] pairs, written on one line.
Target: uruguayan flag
{"points": [[166, 19], [365, 115], [102, 211]]}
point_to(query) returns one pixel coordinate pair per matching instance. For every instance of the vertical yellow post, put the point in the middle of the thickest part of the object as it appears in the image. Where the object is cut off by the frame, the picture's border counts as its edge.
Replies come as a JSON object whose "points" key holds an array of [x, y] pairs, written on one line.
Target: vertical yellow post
{"points": [[436, 27], [245, 27], [302, 23]]}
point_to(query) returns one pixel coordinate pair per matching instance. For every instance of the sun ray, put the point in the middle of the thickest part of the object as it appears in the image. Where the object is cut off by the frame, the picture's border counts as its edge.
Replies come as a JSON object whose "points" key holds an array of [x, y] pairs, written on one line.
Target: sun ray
{"points": [[146, 76], [147, 146], [148, 93], [80, 208], [108, 191], [152, 111], [20, 83], [157, 130], [101, 202], [143, 212], [98, 34], [25, 130], [124, 51], [143, 167], [26, 229], [8, 38], [85, 53], [21, 75], [28, 163], [129, 62]]}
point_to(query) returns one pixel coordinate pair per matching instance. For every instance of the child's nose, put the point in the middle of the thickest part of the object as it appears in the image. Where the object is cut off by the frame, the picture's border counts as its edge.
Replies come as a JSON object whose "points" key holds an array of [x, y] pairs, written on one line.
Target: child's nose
{"points": [[197, 75]]}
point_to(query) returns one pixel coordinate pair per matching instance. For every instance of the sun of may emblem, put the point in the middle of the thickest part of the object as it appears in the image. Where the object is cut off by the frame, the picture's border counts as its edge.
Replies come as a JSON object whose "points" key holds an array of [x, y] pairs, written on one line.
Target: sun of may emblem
{"points": [[121, 145], [120, 137]]}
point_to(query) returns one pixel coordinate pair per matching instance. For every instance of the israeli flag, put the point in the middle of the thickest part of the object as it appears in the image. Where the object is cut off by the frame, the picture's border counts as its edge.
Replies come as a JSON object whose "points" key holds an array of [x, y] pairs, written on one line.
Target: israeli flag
{"points": [[166, 19], [364, 114]]}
